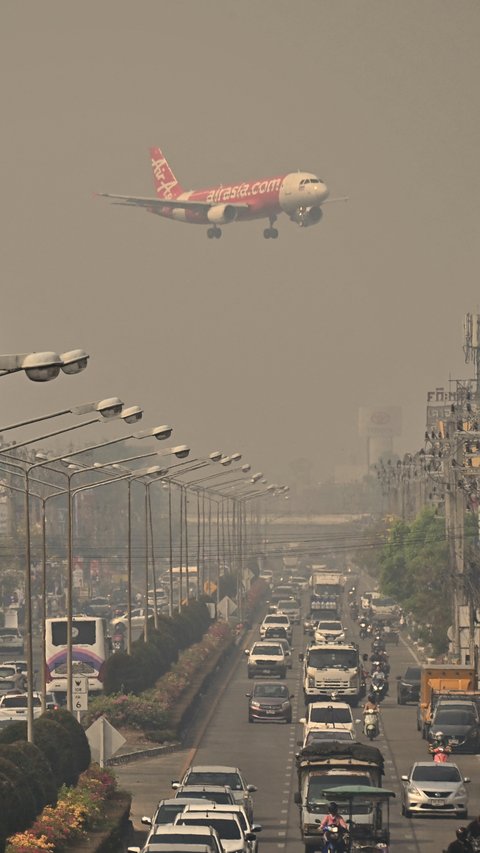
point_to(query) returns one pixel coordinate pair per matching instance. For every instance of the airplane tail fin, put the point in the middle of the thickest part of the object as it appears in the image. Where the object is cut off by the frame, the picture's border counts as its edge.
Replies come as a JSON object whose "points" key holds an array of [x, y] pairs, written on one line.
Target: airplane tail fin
{"points": [[166, 184]]}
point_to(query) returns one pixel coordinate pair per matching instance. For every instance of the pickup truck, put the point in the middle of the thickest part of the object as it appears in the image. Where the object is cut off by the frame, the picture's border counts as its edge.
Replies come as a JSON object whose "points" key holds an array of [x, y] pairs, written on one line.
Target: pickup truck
{"points": [[266, 658], [13, 707]]}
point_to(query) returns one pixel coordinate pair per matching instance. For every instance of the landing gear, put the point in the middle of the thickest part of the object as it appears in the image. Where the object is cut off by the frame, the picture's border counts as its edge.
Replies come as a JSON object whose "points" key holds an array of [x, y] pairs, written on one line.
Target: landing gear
{"points": [[214, 232], [271, 232]]}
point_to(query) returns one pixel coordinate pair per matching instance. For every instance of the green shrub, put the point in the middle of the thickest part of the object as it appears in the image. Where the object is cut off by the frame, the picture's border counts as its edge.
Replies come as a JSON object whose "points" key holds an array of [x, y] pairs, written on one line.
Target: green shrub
{"points": [[38, 761], [33, 781], [56, 743], [17, 799], [77, 733]]}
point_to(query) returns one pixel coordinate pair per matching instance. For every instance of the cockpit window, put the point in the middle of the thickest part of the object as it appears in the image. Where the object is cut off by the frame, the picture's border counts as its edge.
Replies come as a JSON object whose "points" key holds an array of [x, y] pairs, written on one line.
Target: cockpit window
{"points": [[310, 181]]}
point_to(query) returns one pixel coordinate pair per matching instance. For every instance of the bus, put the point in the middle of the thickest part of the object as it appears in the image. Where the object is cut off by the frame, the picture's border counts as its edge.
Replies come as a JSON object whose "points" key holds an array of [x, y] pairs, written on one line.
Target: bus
{"points": [[90, 650]]}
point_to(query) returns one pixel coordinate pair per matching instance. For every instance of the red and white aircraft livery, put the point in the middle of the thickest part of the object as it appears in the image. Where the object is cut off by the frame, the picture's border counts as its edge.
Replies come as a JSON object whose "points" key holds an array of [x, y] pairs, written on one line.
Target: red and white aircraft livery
{"points": [[298, 194]]}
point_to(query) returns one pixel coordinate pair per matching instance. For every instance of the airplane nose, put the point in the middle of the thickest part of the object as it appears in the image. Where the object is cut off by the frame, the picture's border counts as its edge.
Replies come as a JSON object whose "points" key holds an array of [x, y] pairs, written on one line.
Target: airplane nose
{"points": [[323, 192]]}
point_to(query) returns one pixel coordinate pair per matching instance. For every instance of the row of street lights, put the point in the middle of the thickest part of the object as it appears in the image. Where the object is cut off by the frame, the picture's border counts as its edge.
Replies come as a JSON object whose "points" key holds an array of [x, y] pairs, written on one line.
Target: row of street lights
{"points": [[41, 367]]}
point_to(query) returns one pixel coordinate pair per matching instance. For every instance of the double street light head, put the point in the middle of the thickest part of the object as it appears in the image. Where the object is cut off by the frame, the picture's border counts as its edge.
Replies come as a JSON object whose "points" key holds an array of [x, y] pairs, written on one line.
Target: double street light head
{"points": [[162, 432], [42, 366], [74, 361], [111, 407], [132, 414], [181, 451]]}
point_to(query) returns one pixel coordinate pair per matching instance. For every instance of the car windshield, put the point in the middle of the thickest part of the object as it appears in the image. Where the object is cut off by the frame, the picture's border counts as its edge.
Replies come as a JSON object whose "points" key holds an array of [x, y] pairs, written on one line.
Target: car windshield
{"points": [[267, 650], [276, 620], [318, 785], [454, 717], [330, 715], [7, 671], [329, 734], [227, 829], [271, 691], [412, 673], [168, 813], [181, 838], [9, 632], [436, 773], [327, 658], [208, 777], [329, 626], [19, 702]]}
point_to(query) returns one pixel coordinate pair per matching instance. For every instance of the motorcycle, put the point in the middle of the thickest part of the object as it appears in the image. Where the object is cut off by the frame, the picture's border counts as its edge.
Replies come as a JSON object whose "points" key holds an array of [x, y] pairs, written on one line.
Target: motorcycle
{"points": [[363, 629], [336, 840], [378, 689], [370, 723]]}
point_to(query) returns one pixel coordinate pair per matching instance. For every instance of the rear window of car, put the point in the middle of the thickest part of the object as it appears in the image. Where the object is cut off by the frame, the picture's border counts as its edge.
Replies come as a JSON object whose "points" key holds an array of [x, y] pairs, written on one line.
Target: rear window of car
{"points": [[413, 673], [436, 773], [330, 715], [209, 778]]}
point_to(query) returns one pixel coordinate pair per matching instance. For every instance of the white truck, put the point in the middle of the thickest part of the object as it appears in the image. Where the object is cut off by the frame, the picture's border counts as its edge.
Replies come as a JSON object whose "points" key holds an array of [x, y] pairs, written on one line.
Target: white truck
{"points": [[328, 765], [333, 668]]}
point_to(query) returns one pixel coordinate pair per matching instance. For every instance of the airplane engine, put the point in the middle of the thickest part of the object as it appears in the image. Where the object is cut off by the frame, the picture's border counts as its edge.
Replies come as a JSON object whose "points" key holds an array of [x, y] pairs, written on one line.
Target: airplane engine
{"points": [[222, 214], [305, 216]]}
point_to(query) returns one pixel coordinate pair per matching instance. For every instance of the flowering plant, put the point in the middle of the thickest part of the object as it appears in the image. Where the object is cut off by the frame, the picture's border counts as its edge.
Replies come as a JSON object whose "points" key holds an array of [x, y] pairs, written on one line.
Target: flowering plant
{"points": [[78, 809], [151, 709]]}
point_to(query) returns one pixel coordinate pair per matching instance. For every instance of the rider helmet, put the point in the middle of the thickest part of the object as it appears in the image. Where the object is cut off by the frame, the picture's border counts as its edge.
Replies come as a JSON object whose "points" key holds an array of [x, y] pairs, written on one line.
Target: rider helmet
{"points": [[461, 833], [333, 808]]}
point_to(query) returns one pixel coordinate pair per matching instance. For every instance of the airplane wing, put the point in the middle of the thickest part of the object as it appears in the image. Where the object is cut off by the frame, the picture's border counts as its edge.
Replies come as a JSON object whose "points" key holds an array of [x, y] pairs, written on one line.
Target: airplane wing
{"points": [[186, 204]]}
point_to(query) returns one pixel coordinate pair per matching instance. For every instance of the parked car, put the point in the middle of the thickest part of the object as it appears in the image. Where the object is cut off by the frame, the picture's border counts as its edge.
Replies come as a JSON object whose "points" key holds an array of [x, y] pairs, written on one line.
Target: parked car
{"points": [[408, 686], [220, 774], [269, 702], [431, 788], [10, 674], [266, 658], [14, 706], [11, 640], [98, 606]]}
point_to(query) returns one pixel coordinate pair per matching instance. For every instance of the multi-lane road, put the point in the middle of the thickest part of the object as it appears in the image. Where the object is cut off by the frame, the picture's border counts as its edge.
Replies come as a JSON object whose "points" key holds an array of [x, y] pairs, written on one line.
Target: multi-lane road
{"points": [[266, 754]]}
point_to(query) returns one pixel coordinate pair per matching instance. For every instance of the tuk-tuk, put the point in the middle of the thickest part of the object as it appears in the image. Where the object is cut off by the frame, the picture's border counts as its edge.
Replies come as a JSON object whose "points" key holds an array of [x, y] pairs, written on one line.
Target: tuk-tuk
{"points": [[374, 837]]}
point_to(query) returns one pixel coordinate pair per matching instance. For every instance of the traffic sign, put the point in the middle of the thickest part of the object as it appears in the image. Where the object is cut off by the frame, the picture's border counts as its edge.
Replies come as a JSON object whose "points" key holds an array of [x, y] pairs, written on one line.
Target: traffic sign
{"points": [[80, 684], [80, 701], [104, 740]]}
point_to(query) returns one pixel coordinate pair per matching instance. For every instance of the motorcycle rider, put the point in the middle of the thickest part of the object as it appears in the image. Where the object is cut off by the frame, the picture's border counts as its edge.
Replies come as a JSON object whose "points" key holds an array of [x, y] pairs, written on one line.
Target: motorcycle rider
{"points": [[370, 714], [473, 828], [370, 705], [461, 843], [334, 820], [439, 748], [379, 680]]}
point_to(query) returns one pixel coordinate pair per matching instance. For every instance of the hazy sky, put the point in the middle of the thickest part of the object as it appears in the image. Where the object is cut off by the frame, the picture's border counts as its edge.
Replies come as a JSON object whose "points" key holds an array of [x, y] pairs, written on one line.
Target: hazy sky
{"points": [[268, 347]]}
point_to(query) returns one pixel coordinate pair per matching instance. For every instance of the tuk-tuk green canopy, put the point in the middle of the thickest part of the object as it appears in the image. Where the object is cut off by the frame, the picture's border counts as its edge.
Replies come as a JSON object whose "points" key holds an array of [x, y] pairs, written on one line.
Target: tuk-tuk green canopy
{"points": [[364, 792]]}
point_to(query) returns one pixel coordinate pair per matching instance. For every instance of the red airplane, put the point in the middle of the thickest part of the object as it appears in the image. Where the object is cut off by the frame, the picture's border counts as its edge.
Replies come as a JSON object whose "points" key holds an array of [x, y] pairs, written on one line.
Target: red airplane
{"points": [[298, 194]]}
